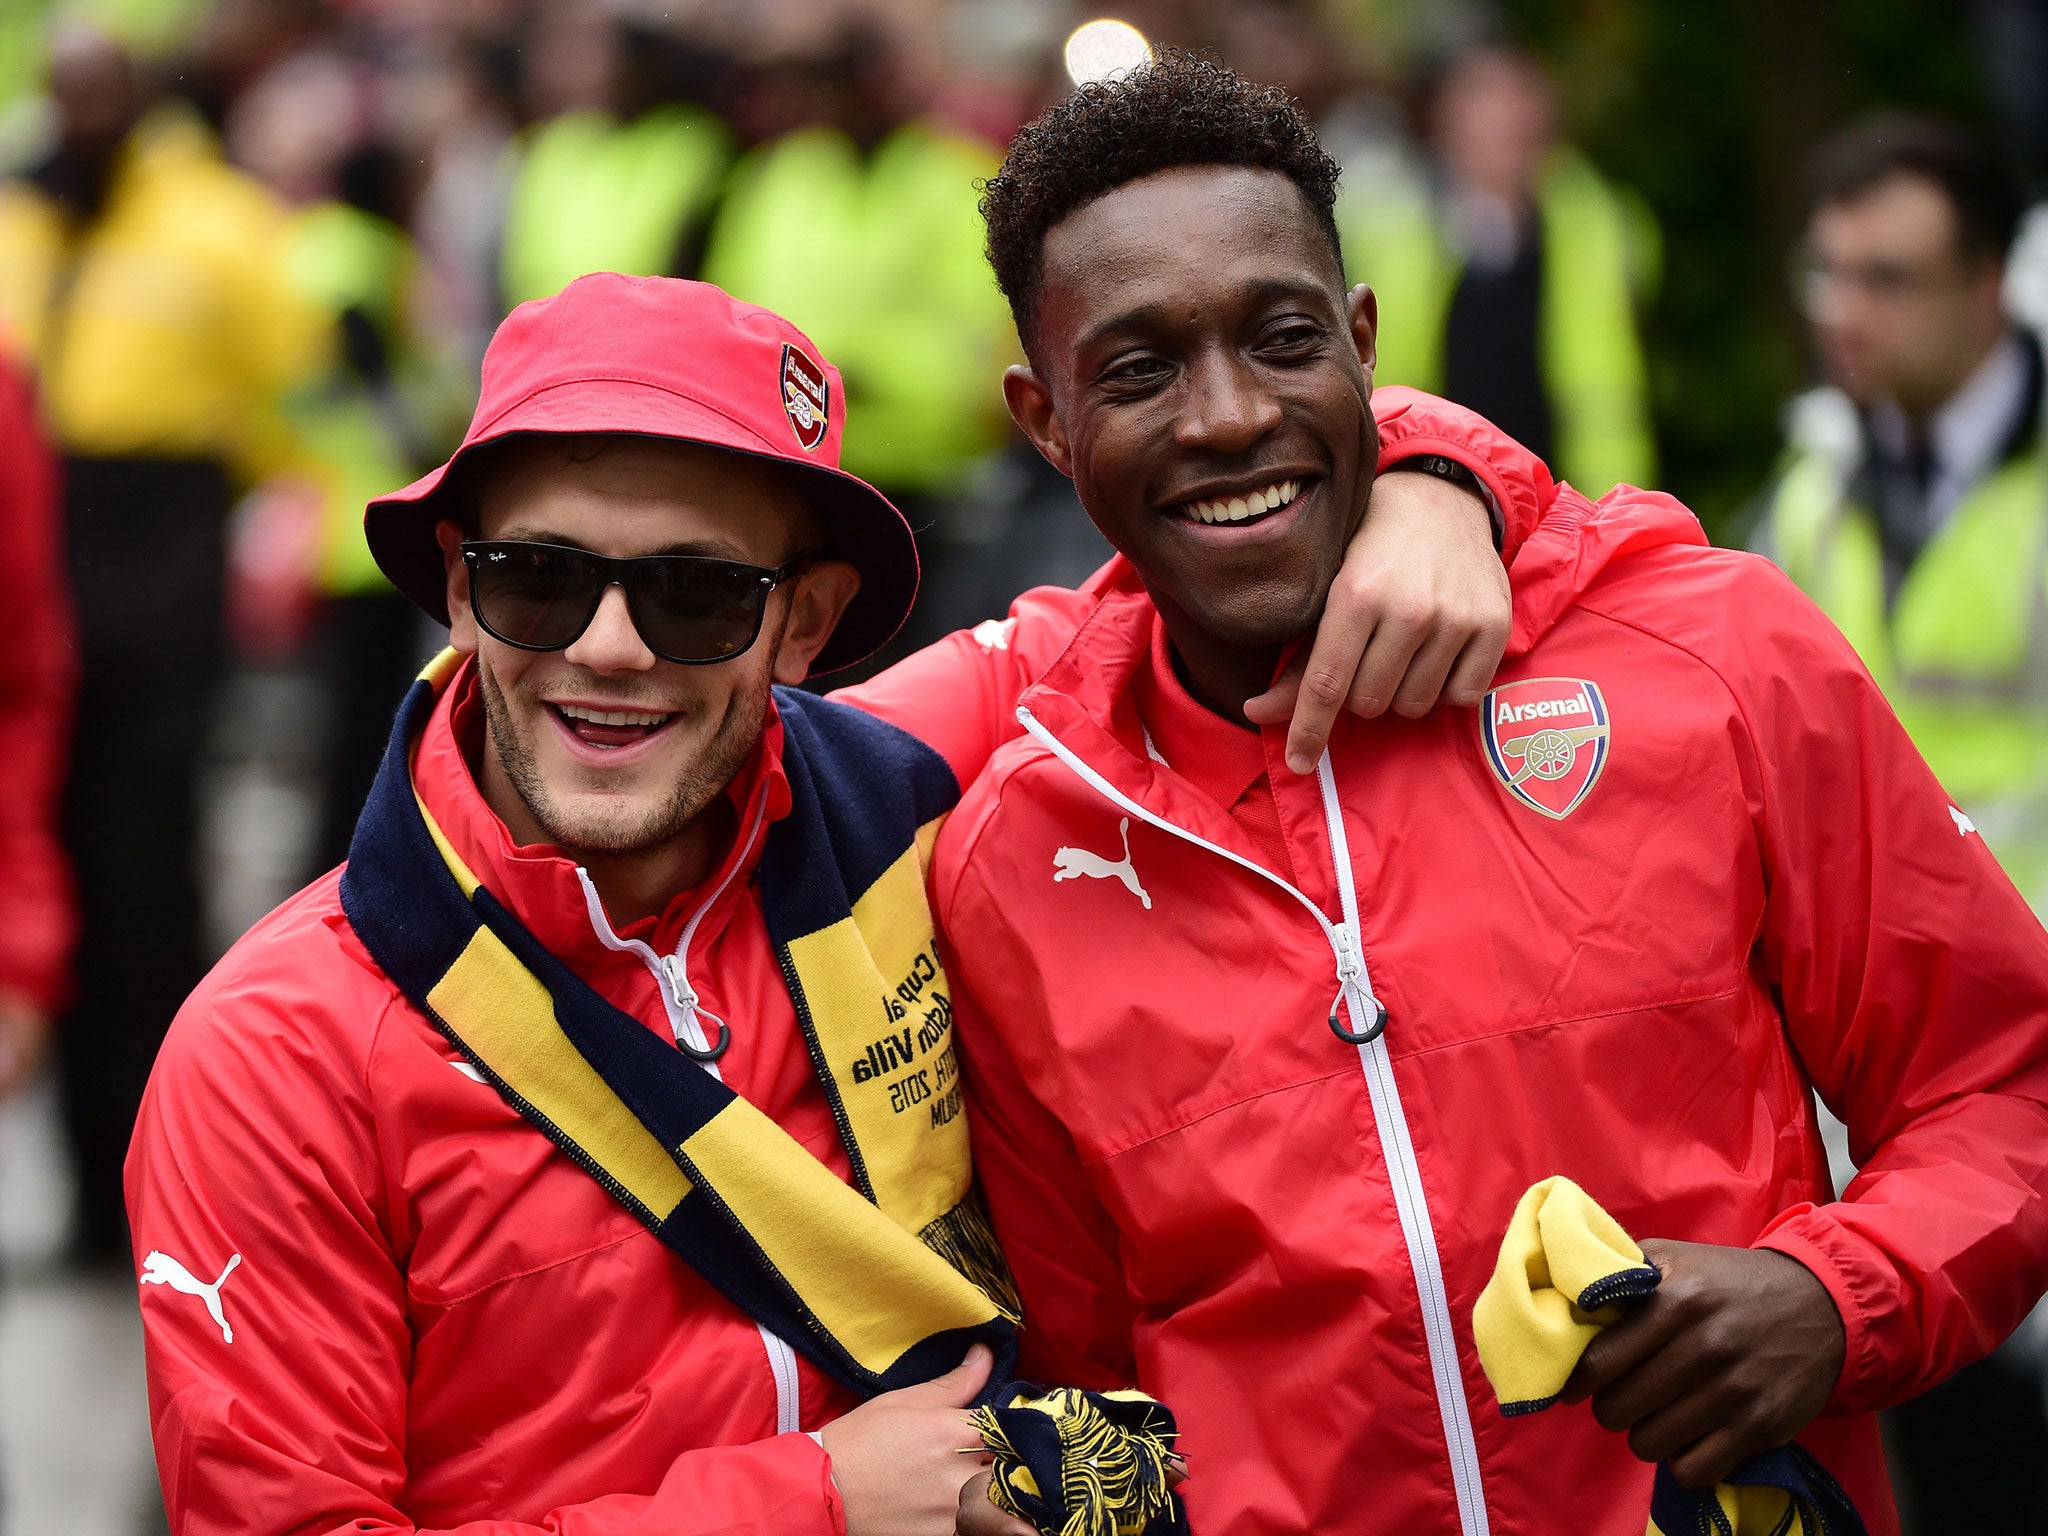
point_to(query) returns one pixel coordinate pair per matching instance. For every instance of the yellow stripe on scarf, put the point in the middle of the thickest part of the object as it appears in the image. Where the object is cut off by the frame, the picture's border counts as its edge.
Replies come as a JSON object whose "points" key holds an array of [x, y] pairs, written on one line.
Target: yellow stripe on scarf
{"points": [[505, 1017], [892, 1061], [874, 1287]]}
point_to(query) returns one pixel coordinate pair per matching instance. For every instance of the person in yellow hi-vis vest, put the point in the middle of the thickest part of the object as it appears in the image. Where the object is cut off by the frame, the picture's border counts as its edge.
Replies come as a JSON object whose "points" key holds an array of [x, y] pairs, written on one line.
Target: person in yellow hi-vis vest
{"points": [[623, 177], [386, 403], [1913, 502], [1509, 273], [1912, 505], [878, 256], [869, 237], [145, 280]]}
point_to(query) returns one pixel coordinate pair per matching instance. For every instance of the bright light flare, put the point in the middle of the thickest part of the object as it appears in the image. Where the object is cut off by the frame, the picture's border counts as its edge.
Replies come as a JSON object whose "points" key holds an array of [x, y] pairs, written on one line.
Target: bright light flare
{"points": [[1104, 49]]}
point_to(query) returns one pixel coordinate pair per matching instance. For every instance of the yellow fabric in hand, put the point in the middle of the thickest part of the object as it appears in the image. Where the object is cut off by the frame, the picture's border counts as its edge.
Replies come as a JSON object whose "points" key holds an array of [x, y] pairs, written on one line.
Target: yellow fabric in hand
{"points": [[1565, 1268], [1564, 1265]]}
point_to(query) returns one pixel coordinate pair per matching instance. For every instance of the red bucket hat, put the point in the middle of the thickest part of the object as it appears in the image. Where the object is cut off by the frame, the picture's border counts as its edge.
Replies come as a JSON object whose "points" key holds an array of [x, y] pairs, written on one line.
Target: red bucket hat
{"points": [[665, 358]]}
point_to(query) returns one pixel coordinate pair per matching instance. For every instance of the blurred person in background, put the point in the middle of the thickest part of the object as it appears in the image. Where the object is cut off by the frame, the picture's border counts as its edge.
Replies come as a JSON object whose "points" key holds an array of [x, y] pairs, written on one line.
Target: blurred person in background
{"points": [[146, 281], [856, 216], [37, 663], [302, 573], [1509, 272], [450, 100], [1913, 507], [623, 164]]}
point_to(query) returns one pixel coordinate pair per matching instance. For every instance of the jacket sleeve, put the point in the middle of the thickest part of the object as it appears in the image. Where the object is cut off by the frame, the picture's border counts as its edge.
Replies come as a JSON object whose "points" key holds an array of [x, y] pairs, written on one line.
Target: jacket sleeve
{"points": [[960, 695], [267, 1162], [1060, 1242], [1914, 984], [1413, 423], [37, 675]]}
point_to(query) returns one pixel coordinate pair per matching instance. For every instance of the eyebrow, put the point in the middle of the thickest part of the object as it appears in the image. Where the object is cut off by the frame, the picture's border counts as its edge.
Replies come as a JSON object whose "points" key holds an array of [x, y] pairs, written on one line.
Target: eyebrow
{"points": [[711, 546], [1146, 316]]}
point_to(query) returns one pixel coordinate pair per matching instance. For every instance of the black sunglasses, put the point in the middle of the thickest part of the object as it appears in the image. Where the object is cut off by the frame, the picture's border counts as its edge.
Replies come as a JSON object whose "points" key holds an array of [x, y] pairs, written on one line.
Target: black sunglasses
{"points": [[691, 609]]}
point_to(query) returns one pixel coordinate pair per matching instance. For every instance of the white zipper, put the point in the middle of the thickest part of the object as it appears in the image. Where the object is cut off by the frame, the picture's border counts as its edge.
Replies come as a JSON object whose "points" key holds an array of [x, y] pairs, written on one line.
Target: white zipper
{"points": [[684, 1009], [1354, 986], [672, 972]]}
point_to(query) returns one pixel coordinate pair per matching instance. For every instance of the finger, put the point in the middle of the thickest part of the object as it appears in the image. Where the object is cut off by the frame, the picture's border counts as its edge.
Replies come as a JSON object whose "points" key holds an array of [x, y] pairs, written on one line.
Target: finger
{"points": [[1385, 663], [1684, 1421], [1621, 1348], [1176, 1469], [1276, 704], [1424, 680], [1476, 665], [1667, 1376], [959, 1387], [1714, 1457], [1326, 683], [979, 1515]]}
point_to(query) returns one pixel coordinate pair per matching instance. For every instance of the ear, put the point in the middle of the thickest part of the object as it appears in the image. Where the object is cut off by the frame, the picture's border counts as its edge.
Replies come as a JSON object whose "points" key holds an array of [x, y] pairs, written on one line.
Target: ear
{"points": [[461, 621], [1363, 306], [817, 598], [1030, 404]]}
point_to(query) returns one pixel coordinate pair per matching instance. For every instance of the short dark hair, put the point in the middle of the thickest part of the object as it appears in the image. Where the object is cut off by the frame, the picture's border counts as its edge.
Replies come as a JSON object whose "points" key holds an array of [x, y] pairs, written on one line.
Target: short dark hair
{"points": [[1979, 186], [1178, 109]]}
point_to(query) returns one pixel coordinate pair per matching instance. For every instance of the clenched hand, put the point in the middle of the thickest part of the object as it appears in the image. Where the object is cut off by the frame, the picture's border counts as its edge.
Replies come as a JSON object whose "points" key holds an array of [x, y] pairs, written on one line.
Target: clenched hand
{"points": [[899, 1459], [1735, 1352]]}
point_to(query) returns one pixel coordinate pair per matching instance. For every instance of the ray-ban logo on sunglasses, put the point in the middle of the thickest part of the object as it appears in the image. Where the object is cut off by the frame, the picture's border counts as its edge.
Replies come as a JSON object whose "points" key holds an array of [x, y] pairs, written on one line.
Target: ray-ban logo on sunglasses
{"points": [[806, 397]]}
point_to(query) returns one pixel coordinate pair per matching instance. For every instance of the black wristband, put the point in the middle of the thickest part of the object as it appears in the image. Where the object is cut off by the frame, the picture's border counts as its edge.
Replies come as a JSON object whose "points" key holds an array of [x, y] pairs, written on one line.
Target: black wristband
{"points": [[1458, 474], [1444, 468]]}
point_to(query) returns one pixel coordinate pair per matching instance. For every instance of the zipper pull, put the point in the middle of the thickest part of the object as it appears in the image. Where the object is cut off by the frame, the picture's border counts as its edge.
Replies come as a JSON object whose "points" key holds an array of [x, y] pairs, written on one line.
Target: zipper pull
{"points": [[1350, 973], [677, 979], [1348, 967], [679, 989]]}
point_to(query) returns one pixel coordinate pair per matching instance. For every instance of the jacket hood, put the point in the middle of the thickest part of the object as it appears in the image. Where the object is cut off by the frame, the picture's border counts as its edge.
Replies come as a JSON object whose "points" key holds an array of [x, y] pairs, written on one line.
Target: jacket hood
{"points": [[1575, 541]]}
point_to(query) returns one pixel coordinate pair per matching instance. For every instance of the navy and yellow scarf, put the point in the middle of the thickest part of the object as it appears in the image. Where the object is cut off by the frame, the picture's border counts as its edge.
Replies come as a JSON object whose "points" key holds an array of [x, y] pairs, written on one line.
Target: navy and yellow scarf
{"points": [[881, 1284]]}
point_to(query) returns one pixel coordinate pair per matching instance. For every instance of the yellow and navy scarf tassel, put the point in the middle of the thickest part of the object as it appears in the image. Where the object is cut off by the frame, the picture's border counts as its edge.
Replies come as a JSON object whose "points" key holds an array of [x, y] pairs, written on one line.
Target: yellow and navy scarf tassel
{"points": [[883, 1283], [1566, 1271]]}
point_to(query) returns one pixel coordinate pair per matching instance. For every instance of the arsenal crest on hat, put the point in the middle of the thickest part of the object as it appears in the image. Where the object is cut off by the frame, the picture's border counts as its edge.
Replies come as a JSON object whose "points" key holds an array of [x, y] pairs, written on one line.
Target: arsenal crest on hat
{"points": [[1546, 740], [806, 397]]}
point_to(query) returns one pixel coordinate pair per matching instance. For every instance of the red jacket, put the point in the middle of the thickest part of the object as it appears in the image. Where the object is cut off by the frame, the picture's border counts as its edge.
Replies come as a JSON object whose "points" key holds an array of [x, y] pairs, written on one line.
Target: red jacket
{"points": [[1762, 893], [437, 1319], [38, 671]]}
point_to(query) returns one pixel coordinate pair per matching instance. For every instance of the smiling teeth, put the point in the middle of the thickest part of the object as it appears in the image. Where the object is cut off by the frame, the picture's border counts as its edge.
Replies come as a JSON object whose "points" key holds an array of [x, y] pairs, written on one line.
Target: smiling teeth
{"points": [[610, 716], [1237, 508]]}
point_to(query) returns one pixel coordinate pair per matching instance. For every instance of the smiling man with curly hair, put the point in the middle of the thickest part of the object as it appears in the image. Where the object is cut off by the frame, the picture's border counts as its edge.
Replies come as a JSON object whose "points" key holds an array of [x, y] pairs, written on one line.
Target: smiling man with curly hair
{"points": [[1262, 1060]]}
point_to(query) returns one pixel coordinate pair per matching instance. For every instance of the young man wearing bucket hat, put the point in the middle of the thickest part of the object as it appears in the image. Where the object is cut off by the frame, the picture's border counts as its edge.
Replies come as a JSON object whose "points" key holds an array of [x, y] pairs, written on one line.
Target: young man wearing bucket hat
{"points": [[1261, 1064], [630, 954]]}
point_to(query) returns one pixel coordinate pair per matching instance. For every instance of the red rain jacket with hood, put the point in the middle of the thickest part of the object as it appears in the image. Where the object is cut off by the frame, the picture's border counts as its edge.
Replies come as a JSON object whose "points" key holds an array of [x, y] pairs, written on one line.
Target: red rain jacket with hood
{"points": [[1681, 870], [377, 1300]]}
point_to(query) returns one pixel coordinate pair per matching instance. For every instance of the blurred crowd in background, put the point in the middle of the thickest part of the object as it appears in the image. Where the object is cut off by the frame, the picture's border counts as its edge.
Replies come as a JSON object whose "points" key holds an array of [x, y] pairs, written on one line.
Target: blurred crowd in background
{"points": [[251, 252]]}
